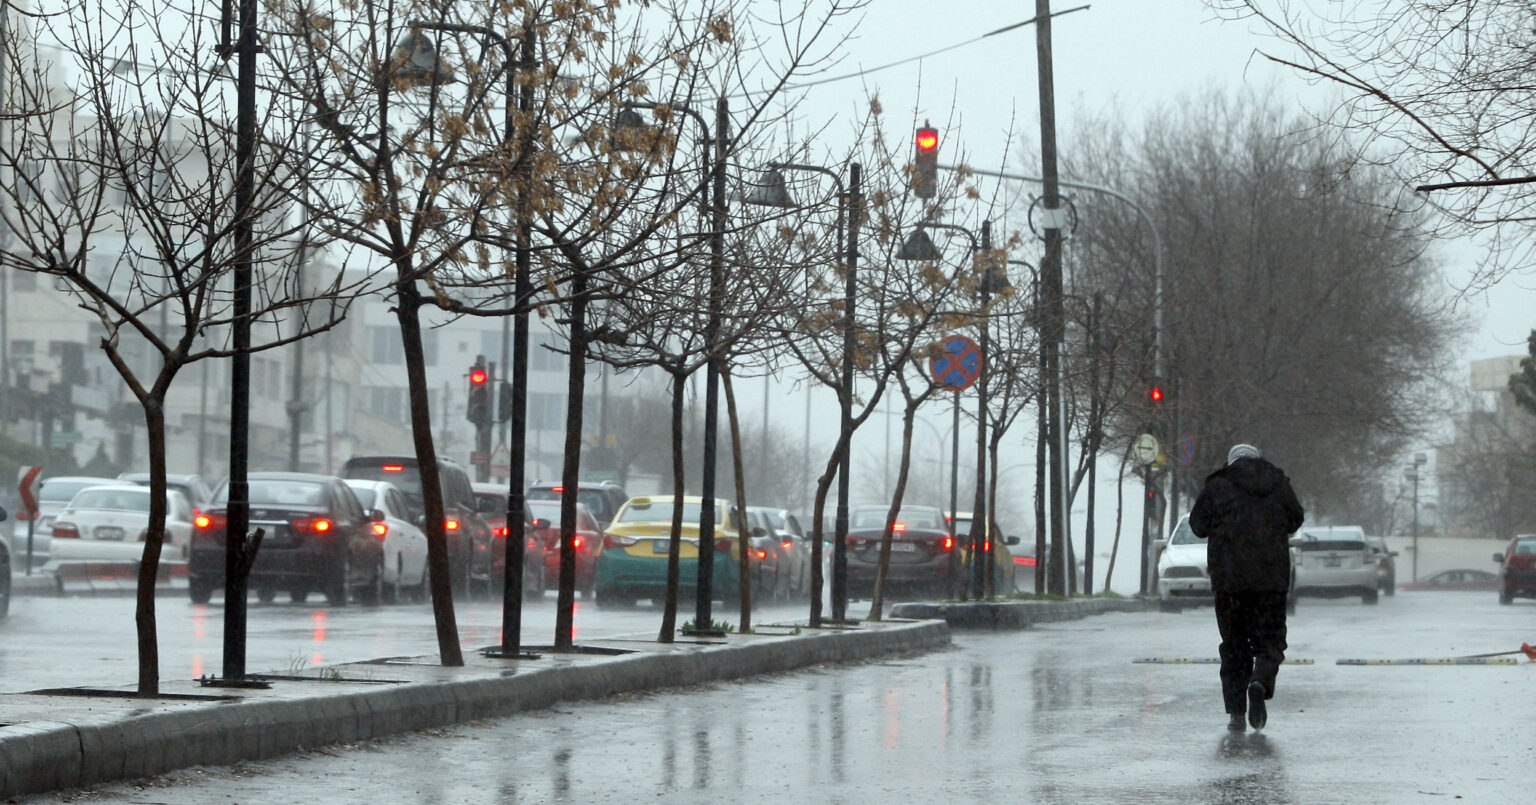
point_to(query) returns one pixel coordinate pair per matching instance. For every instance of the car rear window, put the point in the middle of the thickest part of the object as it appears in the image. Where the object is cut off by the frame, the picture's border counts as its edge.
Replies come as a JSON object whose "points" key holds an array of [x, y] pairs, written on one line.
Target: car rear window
{"points": [[63, 491], [280, 493], [1332, 545], [116, 499], [597, 503], [875, 518], [366, 495], [404, 476]]}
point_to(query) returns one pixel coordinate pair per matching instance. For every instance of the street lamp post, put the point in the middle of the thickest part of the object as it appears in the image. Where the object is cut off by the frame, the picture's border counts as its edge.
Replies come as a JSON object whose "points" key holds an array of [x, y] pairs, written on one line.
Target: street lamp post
{"points": [[773, 192], [522, 290], [1419, 459], [715, 166]]}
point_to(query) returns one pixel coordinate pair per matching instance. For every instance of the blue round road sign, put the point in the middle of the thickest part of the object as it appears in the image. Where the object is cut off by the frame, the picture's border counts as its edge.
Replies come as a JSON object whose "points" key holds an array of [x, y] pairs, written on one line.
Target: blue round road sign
{"points": [[958, 366]]}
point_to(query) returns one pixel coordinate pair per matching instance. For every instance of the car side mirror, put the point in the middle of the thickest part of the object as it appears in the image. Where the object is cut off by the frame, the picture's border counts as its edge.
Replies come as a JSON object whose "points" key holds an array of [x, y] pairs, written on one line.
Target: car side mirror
{"points": [[375, 515], [1159, 544], [1010, 540], [1498, 557], [759, 531]]}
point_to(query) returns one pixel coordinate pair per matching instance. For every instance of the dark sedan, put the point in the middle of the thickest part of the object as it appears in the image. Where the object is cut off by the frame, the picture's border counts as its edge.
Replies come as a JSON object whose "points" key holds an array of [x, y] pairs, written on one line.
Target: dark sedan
{"points": [[588, 542], [316, 536], [921, 550], [1458, 579], [491, 502]]}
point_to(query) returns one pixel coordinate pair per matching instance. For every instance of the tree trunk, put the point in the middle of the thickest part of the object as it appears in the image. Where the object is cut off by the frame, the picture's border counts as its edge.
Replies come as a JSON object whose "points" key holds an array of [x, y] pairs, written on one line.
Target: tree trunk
{"points": [[743, 533], [154, 540], [570, 473], [877, 599], [408, 304], [674, 543]]}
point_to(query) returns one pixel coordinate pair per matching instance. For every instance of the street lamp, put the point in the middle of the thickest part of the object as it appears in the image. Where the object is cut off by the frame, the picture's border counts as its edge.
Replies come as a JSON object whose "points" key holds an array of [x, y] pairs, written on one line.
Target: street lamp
{"points": [[423, 64], [772, 191], [918, 246], [1419, 459], [628, 120]]}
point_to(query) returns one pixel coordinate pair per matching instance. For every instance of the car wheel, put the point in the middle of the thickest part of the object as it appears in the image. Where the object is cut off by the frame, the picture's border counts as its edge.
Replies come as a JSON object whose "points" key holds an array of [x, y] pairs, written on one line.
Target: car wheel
{"points": [[336, 586], [298, 594], [372, 591], [1369, 596], [614, 599], [1506, 595], [265, 594], [1390, 588], [200, 591]]}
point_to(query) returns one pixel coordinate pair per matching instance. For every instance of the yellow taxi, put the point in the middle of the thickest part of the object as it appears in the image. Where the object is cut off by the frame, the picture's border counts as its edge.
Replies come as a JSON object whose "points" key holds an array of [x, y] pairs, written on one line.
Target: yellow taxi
{"points": [[633, 564]]}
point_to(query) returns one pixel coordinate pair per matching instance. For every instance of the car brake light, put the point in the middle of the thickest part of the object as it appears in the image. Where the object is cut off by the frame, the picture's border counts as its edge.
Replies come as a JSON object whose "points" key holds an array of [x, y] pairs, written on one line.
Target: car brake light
{"points": [[380, 530], [1026, 561], [65, 531], [786, 545], [576, 543], [393, 468], [318, 525], [557, 489], [949, 543], [986, 545], [500, 531], [452, 525], [205, 522], [762, 554], [899, 527], [616, 541]]}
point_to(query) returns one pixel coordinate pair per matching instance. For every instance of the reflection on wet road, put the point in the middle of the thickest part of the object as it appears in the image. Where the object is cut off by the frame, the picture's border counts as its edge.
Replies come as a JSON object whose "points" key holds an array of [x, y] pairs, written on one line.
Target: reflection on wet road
{"points": [[1055, 714]]}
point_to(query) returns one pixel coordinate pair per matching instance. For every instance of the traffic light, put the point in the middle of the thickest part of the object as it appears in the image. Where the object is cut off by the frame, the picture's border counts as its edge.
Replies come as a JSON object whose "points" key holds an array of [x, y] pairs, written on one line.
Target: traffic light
{"points": [[479, 407], [1155, 394], [503, 401], [925, 169]]}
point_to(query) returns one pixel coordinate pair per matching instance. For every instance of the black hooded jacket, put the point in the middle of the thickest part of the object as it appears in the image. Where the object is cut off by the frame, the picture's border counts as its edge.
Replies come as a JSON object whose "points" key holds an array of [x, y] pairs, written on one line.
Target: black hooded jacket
{"points": [[1247, 511]]}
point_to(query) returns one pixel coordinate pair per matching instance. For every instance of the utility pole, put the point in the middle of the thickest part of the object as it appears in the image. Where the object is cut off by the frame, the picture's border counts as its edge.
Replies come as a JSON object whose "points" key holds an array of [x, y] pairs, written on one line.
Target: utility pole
{"points": [[1051, 294]]}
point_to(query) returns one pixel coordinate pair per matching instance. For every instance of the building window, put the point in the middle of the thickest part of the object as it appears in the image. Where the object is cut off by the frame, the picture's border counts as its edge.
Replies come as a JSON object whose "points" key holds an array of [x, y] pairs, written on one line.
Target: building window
{"points": [[387, 349], [388, 402]]}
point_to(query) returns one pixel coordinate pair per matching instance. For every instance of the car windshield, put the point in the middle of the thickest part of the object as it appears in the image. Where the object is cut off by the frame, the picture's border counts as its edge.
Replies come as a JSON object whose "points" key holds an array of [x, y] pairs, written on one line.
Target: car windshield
{"points": [[1525, 547], [280, 493], [1184, 535], [130, 500], [911, 518]]}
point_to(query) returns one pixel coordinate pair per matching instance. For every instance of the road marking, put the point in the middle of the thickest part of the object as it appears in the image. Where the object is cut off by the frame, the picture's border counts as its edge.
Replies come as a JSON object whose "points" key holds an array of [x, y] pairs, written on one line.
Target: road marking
{"points": [[1207, 660], [1434, 661]]}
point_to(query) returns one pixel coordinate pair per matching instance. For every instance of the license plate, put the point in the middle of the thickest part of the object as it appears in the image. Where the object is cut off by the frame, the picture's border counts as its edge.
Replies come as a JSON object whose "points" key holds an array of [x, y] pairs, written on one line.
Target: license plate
{"points": [[109, 533], [1332, 561], [903, 547]]}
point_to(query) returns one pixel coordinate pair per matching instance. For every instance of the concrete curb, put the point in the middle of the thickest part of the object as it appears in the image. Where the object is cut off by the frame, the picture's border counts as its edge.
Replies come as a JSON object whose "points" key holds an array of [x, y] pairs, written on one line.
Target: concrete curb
{"points": [[75, 741], [1018, 614]]}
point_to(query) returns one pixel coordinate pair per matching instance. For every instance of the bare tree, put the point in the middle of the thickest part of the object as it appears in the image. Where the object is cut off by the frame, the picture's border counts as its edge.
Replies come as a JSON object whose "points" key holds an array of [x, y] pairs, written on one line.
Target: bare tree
{"points": [[121, 192]]}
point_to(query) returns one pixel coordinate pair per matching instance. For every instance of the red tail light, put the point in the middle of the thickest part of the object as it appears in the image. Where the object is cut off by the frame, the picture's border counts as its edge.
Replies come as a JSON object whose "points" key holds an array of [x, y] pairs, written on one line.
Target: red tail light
{"points": [[65, 531], [501, 531], [380, 530], [899, 527], [576, 543], [949, 543], [393, 468], [1024, 561], [762, 554], [616, 541], [318, 525], [786, 545], [558, 489], [206, 522], [986, 546], [452, 525]]}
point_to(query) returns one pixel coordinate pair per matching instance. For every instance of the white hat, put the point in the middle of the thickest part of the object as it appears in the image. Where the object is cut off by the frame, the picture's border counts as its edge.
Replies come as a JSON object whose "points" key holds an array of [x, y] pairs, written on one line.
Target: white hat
{"points": [[1242, 451]]}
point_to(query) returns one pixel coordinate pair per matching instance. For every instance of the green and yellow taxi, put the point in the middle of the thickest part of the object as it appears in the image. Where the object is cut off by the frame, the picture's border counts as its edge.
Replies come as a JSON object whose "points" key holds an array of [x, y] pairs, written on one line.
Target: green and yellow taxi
{"points": [[633, 564]]}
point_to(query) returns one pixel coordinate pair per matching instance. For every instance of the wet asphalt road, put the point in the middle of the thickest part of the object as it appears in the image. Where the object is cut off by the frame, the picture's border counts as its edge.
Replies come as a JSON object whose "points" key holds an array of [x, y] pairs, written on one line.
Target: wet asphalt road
{"points": [[1055, 714]]}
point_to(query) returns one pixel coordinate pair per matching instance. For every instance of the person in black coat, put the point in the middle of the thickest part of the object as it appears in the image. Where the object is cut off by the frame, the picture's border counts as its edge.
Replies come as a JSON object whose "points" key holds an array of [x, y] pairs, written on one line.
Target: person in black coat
{"points": [[1248, 511]]}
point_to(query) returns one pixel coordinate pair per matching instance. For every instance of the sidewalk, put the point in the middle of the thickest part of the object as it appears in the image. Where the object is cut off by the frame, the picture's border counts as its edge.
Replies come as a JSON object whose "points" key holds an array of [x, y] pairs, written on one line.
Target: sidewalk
{"points": [[66, 738]]}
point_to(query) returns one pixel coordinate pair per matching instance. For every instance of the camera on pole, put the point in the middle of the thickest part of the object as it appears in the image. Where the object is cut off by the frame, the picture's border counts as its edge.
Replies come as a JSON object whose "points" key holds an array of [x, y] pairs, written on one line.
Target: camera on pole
{"points": [[925, 168]]}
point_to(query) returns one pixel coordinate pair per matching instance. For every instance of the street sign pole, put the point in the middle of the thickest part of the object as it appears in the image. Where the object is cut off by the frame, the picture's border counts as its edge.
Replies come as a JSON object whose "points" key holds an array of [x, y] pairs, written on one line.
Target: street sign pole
{"points": [[27, 486]]}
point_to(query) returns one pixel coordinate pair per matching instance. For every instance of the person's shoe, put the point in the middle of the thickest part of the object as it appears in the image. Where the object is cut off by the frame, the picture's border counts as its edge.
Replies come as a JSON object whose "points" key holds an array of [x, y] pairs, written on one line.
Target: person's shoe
{"points": [[1236, 723], [1256, 713]]}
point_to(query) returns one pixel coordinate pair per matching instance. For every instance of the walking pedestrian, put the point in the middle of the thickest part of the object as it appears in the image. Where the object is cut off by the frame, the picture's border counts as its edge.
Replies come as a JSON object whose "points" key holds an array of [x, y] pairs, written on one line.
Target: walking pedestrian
{"points": [[1247, 512]]}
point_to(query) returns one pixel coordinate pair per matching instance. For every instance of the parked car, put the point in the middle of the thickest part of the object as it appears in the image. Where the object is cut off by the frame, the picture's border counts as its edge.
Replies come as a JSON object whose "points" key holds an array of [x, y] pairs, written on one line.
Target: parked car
{"points": [[922, 547], [1517, 569], [602, 498], [792, 549], [5, 567], [1386, 565], [491, 500], [405, 544], [110, 523], [1334, 562], [1182, 572], [53, 494], [587, 542], [316, 536], [469, 536], [1457, 579], [633, 563], [197, 490]]}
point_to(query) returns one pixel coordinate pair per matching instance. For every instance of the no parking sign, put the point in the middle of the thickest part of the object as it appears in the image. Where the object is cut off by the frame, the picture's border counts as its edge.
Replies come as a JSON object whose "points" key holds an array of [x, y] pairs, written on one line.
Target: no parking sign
{"points": [[958, 366]]}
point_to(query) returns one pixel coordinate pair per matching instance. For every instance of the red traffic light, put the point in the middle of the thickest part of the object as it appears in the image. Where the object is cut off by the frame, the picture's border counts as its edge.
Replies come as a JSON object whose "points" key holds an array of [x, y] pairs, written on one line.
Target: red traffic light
{"points": [[927, 139], [478, 376], [1155, 394]]}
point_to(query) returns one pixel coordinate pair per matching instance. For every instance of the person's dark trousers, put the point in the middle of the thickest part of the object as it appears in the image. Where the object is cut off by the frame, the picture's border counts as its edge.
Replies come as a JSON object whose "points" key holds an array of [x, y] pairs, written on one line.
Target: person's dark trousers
{"points": [[1252, 643]]}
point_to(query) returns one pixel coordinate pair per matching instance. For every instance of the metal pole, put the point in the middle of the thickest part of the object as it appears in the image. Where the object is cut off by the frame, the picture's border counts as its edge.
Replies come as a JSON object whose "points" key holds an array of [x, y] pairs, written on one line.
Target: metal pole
{"points": [[954, 495], [980, 530], [1051, 287], [703, 618], [850, 289]]}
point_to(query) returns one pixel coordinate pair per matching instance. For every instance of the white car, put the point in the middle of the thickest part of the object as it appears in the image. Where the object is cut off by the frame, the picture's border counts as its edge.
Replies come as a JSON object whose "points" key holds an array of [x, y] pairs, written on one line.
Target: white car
{"points": [[1181, 568], [109, 523], [1334, 562], [405, 544], [53, 494]]}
